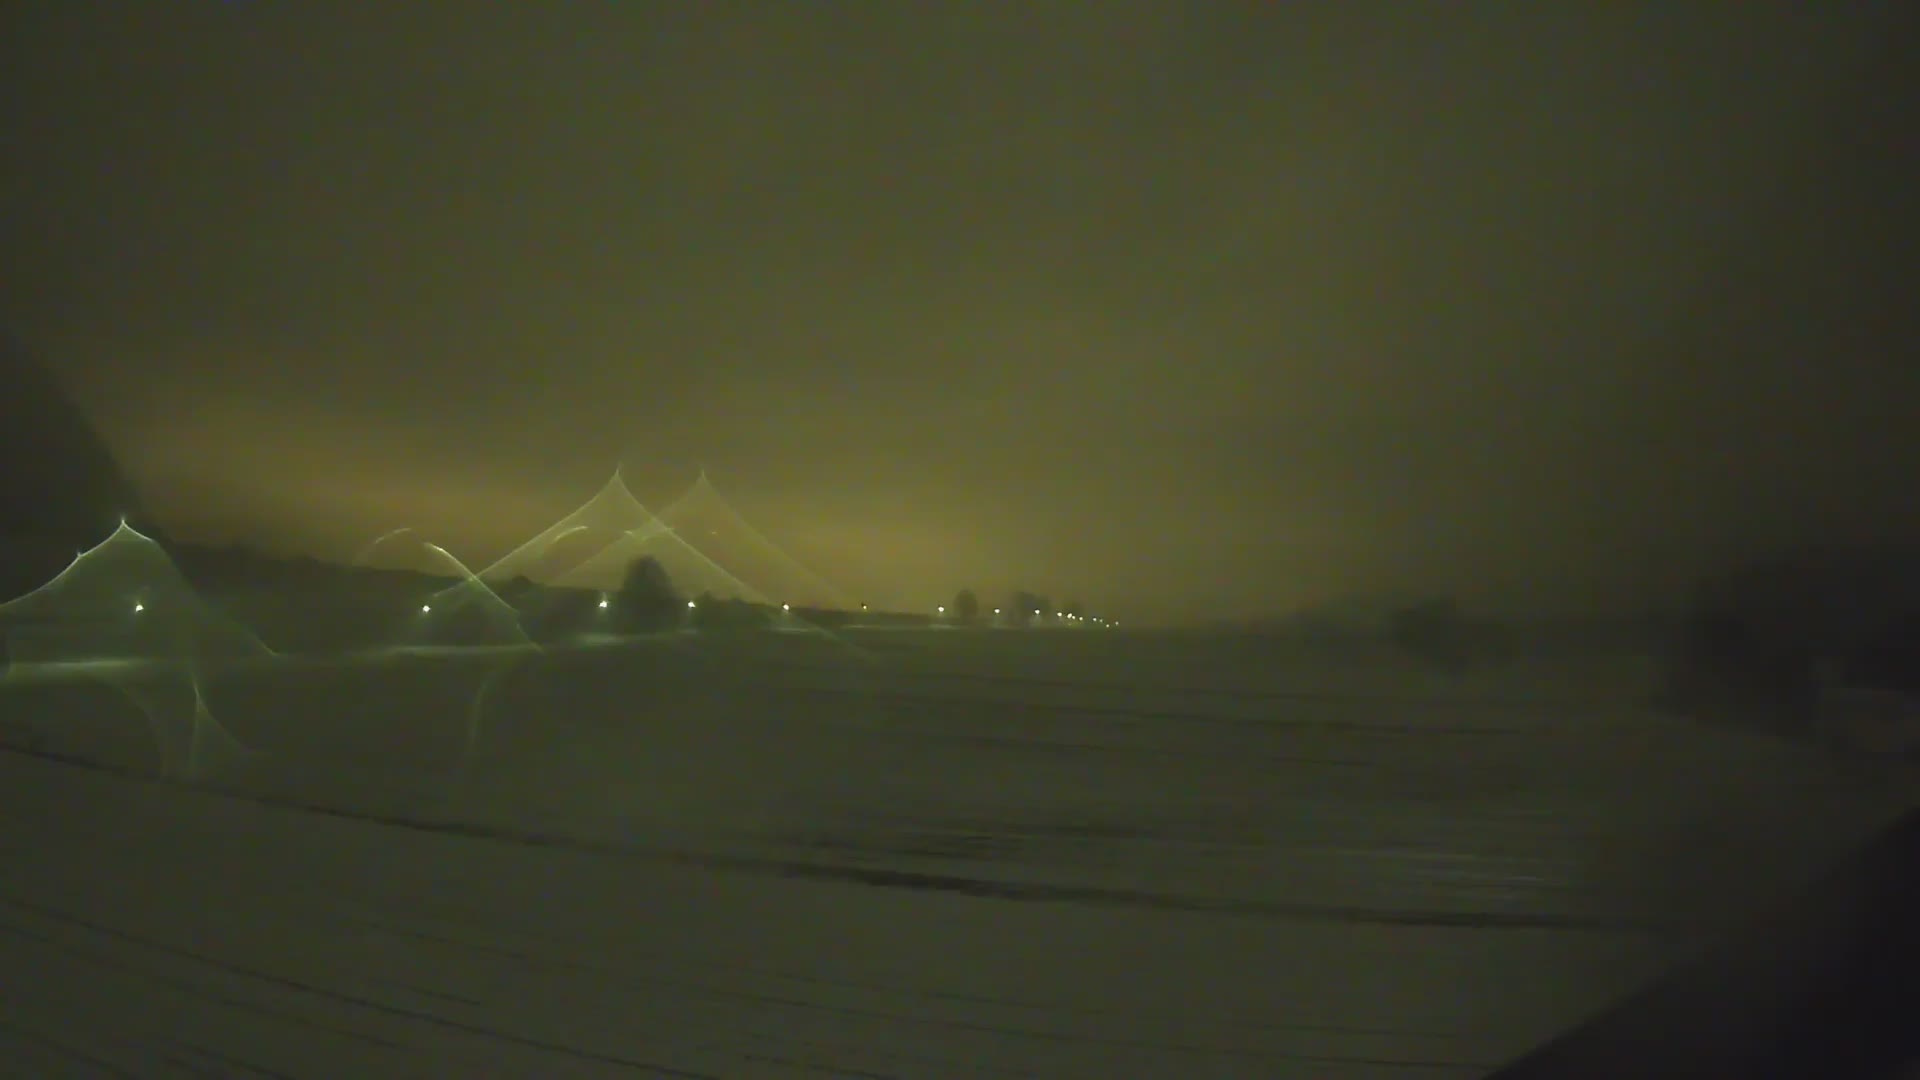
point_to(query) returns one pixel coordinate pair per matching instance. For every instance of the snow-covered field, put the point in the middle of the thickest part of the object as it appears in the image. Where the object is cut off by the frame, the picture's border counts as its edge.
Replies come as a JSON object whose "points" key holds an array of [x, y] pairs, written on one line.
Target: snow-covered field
{"points": [[911, 854]]}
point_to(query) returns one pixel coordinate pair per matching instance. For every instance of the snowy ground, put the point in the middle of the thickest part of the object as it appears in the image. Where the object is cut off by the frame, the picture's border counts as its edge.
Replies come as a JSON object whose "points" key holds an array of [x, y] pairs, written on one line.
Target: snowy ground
{"points": [[932, 854]]}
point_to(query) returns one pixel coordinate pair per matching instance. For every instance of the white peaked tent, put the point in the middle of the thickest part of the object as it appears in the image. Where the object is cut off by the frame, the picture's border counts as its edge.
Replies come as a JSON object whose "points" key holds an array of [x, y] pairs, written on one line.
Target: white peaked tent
{"points": [[591, 547], [61, 490], [707, 519], [609, 515], [123, 599]]}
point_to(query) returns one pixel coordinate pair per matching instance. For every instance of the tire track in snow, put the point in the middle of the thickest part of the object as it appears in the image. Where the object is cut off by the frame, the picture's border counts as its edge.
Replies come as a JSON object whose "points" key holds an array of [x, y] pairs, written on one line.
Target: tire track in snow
{"points": [[258, 974]]}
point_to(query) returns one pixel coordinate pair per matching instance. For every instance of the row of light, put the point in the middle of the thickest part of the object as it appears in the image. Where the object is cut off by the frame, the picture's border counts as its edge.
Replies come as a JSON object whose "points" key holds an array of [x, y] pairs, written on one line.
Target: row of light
{"points": [[603, 604], [427, 609], [941, 610]]}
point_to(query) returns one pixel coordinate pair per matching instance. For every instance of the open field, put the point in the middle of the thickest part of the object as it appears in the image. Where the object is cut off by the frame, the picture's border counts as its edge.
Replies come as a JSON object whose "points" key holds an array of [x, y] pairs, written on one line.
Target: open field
{"points": [[908, 853]]}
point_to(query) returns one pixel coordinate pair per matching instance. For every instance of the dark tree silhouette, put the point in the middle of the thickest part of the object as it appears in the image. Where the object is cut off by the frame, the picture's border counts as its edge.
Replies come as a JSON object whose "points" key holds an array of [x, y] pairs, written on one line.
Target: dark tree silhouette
{"points": [[646, 600], [466, 622], [526, 597], [1023, 606], [559, 614], [1888, 657], [713, 613], [966, 606], [1761, 640], [1432, 630]]}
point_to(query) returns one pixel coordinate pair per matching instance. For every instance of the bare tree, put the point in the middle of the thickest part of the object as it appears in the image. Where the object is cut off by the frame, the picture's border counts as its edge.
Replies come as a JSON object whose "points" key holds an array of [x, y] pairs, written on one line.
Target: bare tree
{"points": [[966, 606], [647, 599]]}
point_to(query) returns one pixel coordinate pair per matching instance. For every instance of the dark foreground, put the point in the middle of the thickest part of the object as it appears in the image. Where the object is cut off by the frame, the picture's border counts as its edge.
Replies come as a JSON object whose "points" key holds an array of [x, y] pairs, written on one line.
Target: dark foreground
{"points": [[959, 864]]}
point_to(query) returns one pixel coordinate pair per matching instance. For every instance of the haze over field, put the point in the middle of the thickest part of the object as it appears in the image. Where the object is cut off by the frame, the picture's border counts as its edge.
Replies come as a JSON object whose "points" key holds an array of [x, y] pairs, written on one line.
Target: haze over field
{"points": [[938, 540], [1200, 310]]}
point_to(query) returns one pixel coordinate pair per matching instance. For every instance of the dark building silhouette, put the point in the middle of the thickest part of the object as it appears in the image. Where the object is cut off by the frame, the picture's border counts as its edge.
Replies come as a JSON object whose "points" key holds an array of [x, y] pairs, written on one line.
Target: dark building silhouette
{"points": [[61, 491]]}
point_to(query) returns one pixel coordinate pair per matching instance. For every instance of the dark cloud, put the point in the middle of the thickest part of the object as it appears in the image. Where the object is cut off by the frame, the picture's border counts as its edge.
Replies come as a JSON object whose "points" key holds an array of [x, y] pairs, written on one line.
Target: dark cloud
{"points": [[1193, 308]]}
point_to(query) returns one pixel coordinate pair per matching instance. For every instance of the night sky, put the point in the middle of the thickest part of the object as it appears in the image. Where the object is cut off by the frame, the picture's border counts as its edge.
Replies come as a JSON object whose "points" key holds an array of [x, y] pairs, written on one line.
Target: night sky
{"points": [[1186, 310]]}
